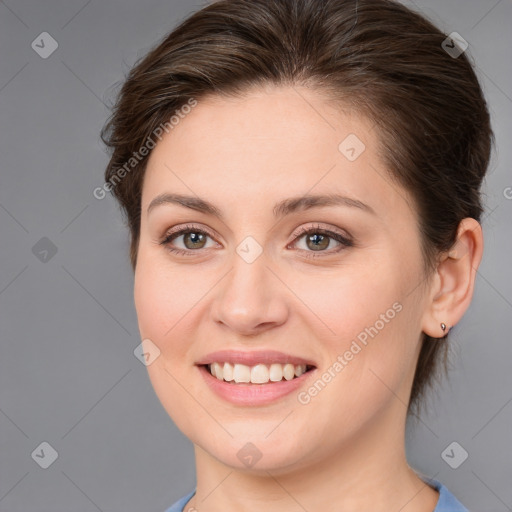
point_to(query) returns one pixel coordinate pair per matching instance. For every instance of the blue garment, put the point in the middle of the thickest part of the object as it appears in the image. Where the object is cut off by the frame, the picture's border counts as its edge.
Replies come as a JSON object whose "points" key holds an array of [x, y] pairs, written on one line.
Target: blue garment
{"points": [[447, 501]]}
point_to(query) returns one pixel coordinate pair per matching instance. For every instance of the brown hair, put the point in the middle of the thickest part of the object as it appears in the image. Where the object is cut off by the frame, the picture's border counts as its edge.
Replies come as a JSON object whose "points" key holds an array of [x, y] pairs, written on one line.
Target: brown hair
{"points": [[384, 59]]}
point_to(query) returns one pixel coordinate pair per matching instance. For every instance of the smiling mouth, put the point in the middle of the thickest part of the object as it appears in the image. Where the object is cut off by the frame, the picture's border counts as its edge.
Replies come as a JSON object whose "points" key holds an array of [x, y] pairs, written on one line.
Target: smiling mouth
{"points": [[257, 374]]}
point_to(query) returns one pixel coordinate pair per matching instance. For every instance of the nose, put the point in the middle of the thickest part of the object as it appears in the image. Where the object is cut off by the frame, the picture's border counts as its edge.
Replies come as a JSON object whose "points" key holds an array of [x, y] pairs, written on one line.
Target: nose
{"points": [[251, 298]]}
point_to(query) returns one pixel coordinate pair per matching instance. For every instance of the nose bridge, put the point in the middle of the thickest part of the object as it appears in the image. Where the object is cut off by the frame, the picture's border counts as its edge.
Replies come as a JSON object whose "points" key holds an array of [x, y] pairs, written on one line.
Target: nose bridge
{"points": [[250, 295], [247, 284]]}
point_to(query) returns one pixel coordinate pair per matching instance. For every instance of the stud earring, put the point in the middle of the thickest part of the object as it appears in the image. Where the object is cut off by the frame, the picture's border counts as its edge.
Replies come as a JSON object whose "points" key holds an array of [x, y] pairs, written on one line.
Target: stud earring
{"points": [[443, 326]]}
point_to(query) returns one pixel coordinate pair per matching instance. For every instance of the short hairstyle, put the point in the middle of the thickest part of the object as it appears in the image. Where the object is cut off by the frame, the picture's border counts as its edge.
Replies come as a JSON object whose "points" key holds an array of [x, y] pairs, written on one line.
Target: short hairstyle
{"points": [[378, 57]]}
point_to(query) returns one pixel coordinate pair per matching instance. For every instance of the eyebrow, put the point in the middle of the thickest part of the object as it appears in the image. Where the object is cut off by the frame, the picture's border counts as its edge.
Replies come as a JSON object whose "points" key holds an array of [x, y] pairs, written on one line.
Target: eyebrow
{"points": [[281, 209]]}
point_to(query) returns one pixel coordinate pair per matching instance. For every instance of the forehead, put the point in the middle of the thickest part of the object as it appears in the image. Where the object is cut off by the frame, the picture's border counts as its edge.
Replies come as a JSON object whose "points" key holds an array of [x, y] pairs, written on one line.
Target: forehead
{"points": [[269, 144]]}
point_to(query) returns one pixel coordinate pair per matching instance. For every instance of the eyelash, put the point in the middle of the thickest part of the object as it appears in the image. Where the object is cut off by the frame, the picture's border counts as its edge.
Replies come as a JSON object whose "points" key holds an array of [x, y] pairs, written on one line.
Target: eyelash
{"points": [[343, 240]]}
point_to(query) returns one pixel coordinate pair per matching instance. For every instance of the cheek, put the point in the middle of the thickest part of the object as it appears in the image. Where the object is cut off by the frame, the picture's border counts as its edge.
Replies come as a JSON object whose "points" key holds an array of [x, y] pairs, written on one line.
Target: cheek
{"points": [[369, 322], [162, 305], [354, 298], [163, 297]]}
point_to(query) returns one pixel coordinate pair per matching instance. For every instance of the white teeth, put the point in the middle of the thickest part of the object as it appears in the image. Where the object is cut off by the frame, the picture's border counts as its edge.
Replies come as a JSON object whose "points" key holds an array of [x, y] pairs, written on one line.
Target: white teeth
{"points": [[288, 371], [227, 372], [276, 372], [258, 374], [217, 371], [299, 370], [241, 373]]}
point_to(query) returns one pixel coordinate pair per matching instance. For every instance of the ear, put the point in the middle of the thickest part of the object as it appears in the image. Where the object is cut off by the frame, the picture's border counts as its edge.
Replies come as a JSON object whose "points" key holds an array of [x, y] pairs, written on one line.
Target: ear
{"points": [[454, 280]]}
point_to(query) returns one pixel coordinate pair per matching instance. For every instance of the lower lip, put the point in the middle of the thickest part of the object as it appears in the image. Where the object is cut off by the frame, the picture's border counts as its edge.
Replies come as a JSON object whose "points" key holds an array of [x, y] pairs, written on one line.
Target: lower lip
{"points": [[253, 394]]}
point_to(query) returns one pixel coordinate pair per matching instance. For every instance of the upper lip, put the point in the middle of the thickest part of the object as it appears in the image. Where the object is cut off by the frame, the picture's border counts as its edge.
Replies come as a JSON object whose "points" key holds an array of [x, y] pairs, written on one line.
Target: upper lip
{"points": [[252, 358]]}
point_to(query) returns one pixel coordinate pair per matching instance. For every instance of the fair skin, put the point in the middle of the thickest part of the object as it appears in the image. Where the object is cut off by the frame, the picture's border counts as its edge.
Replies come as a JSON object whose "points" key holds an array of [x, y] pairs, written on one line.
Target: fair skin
{"points": [[344, 449]]}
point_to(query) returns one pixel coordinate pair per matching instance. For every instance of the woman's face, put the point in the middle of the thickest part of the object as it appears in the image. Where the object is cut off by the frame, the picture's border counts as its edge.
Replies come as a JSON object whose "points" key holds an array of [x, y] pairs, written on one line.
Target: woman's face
{"points": [[347, 299]]}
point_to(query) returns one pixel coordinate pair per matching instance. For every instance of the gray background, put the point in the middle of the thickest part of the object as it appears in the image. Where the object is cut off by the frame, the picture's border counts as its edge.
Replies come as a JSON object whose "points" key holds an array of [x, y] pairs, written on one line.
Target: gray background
{"points": [[68, 374]]}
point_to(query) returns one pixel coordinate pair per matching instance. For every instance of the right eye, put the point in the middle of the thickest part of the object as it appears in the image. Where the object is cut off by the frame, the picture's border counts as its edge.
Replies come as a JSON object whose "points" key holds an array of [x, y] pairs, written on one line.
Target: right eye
{"points": [[194, 239]]}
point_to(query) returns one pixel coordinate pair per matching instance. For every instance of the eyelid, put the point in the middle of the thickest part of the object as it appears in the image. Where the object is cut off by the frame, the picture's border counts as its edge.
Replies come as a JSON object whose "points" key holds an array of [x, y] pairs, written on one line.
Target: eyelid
{"points": [[181, 229], [304, 230]]}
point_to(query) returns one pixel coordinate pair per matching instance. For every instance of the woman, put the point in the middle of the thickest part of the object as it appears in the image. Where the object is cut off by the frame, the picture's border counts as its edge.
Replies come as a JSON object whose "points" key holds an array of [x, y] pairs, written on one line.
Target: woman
{"points": [[301, 182]]}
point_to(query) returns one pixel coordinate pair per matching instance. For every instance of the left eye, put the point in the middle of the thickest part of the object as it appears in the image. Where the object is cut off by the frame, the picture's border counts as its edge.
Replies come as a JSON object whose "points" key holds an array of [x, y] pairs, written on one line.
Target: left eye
{"points": [[317, 240]]}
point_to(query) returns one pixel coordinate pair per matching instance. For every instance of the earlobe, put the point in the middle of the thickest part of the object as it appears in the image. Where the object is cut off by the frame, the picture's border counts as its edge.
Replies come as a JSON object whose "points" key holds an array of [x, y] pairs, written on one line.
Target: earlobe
{"points": [[453, 286]]}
